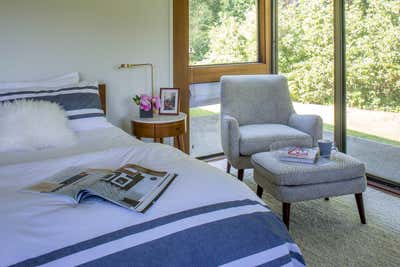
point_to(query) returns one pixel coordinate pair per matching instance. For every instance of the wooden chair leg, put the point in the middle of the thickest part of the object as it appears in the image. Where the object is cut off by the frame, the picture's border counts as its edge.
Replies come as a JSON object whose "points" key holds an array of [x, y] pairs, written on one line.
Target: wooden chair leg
{"points": [[240, 174], [360, 206], [176, 142], [259, 191], [228, 167], [181, 143], [286, 214]]}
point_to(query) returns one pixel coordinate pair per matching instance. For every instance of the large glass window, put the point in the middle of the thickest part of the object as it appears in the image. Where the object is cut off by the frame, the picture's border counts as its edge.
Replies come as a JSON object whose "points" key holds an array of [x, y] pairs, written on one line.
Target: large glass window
{"points": [[205, 134], [305, 56], [220, 32], [223, 32], [373, 85]]}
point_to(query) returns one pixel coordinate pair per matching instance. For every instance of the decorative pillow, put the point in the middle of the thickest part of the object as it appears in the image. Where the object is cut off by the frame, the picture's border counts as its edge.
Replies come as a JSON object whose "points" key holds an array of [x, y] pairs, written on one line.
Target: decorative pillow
{"points": [[80, 101], [62, 80], [31, 125]]}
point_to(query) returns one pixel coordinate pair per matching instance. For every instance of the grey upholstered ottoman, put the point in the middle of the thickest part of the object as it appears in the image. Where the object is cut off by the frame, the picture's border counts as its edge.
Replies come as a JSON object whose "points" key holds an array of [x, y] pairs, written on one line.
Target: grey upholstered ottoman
{"points": [[292, 182]]}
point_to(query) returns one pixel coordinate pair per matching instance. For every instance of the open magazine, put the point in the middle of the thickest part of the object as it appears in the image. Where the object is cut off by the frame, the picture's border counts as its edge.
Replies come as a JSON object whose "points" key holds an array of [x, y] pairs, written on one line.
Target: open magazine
{"points": [[131, 186]]}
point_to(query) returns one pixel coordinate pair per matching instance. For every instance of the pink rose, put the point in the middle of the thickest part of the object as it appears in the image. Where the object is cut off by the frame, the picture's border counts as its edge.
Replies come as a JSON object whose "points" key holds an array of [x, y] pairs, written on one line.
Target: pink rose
{"points": [[156, 102], [145, 102]]}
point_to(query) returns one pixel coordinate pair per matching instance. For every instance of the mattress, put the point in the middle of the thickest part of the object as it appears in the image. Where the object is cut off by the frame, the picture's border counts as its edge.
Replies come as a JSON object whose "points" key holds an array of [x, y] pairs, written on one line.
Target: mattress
{"points": [[204, 218]]}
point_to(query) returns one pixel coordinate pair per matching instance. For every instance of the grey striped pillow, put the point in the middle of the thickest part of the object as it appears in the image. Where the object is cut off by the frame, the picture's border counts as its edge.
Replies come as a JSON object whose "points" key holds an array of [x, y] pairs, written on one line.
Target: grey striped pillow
{"points": [[79, 100]]}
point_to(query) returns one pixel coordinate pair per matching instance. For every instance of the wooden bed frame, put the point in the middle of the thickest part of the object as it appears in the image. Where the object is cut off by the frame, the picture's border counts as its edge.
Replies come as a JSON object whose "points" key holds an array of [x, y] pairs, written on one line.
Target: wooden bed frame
{"points": [[102, 93]]}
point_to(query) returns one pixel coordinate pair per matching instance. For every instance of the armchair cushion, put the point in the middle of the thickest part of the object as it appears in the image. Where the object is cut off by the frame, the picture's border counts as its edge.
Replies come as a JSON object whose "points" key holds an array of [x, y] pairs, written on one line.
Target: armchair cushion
{"points": [[256, 138]]}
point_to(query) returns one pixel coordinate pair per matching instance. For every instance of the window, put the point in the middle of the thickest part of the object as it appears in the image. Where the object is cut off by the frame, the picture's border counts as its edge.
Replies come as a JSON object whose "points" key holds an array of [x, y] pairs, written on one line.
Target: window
{"points": [[211, 39], [205, 124], [305, 56], [373, 86], [225, 37], [365, 77], [223, 32]]}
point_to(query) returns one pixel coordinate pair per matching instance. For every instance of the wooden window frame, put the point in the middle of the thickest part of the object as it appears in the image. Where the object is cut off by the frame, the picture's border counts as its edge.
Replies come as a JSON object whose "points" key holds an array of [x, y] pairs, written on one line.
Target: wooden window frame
{"points": [[213, 73], [185, 74]]}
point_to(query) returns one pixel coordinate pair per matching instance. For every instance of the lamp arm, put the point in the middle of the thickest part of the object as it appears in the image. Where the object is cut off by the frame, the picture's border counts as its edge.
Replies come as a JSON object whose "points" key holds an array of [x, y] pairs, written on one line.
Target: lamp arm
{"points": [[131, 66]]}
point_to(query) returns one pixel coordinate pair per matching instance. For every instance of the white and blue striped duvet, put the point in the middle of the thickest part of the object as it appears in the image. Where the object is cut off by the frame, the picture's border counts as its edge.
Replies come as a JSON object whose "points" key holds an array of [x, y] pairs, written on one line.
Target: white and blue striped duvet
{"points": [[205, 218]]}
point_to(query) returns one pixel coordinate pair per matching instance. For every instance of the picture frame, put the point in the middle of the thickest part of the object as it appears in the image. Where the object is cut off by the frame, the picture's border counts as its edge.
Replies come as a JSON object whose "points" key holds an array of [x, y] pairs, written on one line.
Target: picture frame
{"points": [[169, 101]]}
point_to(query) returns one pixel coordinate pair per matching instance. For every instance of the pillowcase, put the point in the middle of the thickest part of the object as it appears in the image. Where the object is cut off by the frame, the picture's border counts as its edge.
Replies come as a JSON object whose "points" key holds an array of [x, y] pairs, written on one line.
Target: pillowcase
{"points": [[28, 125], [80, 101], [62, 80]]}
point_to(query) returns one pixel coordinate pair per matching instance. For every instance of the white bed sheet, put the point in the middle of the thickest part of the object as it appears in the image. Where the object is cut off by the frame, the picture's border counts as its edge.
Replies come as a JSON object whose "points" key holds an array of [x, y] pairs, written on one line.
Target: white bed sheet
{"points": [[88, 141], [34, 224]]}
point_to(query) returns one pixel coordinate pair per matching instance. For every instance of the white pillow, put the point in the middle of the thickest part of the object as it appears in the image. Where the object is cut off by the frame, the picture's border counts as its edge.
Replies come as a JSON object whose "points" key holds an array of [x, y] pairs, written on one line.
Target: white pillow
{"points": [[62, 80], [28, 125]]}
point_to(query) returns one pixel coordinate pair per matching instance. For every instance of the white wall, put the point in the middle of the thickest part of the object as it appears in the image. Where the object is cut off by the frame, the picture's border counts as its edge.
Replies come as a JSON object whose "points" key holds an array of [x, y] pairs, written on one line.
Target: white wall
{"points": [[42, 38]]}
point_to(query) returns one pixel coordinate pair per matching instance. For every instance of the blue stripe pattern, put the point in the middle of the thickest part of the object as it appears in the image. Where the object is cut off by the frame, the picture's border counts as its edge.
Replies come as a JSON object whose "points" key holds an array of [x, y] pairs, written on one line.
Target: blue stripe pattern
{"points": [[213, 243], [75, 99]]}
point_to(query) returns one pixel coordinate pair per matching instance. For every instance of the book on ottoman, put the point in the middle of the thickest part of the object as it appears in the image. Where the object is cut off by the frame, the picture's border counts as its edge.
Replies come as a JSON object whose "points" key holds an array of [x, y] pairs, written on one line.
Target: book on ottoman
{"points": [[299, 154]]}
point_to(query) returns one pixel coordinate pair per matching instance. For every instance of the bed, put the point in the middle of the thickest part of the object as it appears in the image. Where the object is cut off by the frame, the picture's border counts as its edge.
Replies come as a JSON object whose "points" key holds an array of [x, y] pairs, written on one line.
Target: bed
{"points": [[204, 218]]}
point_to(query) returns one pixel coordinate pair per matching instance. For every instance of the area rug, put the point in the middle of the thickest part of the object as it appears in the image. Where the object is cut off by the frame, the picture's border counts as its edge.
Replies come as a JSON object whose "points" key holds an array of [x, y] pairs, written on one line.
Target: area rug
{"points": [[329, 233]]}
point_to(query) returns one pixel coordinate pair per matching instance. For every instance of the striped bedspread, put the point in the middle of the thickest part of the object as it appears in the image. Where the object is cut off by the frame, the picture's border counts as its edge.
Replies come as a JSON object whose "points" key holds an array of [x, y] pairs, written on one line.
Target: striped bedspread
{"points": [[233, 233]]}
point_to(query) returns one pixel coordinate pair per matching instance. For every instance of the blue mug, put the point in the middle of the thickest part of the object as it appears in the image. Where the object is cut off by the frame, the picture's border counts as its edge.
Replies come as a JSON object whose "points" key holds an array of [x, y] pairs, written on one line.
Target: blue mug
{"points": [[325, 148]]}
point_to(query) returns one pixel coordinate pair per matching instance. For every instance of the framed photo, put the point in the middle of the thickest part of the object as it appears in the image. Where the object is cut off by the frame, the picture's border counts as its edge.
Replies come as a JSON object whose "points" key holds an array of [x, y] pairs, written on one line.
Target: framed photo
{"points": [[169, 101]]}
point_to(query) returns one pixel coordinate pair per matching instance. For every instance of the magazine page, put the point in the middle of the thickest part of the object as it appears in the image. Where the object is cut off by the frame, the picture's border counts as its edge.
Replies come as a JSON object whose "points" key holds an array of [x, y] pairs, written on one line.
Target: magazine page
{"points": [[70, 182], [128, 186]]}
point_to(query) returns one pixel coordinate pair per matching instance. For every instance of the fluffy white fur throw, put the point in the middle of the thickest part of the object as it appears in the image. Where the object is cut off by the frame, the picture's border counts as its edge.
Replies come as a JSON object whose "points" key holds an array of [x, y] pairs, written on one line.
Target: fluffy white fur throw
{"points": [[30, 125]]}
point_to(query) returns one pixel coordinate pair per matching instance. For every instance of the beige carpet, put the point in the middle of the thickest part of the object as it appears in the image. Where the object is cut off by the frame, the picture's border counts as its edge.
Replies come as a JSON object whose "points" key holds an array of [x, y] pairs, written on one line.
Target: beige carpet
{"points": [[329, 233]]}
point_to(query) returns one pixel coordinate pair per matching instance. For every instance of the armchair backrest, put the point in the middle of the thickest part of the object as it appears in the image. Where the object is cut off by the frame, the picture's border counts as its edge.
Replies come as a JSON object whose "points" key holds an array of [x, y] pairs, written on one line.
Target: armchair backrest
{"points": [[253, 99]]}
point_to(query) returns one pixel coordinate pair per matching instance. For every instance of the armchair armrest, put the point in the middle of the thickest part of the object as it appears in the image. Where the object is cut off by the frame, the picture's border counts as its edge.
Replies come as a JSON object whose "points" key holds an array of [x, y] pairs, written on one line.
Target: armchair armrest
{"points": [[230, 136], [310, 124]]}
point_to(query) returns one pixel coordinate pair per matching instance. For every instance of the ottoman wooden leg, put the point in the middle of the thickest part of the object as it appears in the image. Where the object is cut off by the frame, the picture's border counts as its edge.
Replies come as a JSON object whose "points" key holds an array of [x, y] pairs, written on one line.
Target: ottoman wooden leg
{"points": [[259, 191], [360, 206], [286, 213], [228, 167], [240, 174]]}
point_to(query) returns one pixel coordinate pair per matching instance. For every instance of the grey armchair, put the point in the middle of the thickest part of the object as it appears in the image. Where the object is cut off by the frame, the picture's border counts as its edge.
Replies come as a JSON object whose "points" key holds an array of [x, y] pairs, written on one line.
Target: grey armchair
{"points": [[256, 114]]}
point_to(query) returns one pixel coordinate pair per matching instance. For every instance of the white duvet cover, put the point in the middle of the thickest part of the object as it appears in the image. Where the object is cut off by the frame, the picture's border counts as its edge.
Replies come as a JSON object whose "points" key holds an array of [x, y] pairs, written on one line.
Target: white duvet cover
{"points": [[36, 229], [32, 224]]}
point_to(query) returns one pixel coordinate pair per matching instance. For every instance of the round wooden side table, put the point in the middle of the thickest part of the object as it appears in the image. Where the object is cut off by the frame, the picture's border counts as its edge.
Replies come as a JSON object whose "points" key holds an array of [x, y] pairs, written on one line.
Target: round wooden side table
{"points": [[161, 126]]}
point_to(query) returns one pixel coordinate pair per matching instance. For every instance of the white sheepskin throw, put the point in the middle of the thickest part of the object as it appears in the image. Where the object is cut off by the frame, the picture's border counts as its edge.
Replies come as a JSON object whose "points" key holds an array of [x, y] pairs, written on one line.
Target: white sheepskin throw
{"points": [[27, 125]]}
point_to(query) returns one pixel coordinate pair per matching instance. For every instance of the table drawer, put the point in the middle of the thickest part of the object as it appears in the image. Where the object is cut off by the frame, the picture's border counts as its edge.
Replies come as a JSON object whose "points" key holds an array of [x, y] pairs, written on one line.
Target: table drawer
{"points": [[143, 129], [170, 129]]}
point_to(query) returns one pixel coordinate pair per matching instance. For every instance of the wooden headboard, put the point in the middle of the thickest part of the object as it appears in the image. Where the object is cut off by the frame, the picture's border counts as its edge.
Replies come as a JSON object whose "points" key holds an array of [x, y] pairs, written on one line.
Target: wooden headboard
{"points": [[102, 93]]}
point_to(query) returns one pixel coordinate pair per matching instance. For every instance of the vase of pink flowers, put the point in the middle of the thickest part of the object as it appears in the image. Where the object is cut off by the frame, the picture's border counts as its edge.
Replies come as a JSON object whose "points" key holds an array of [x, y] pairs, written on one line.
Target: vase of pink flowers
{"points": [[147, 105]]}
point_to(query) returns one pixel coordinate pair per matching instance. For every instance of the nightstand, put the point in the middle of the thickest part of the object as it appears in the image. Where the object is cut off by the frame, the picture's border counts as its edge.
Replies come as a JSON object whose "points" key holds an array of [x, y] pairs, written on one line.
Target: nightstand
{"points": [[161, 126]]}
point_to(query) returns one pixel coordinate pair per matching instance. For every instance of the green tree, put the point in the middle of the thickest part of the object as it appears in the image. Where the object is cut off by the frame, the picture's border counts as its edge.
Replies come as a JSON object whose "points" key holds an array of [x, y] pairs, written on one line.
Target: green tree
{"points": [[210, 18], [224, 32], [372, 52]]}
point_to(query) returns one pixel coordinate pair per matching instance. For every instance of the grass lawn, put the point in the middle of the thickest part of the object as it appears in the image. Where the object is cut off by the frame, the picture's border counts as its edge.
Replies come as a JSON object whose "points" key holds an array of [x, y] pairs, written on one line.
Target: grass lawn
{"points": [[199, 112], [329, 127]]}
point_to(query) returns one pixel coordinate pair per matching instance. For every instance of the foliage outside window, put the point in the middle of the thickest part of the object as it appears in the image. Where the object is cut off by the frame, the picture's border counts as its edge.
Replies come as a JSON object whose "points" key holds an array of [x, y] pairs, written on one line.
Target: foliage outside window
{"points": [[305, 48], [223, 32]]}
